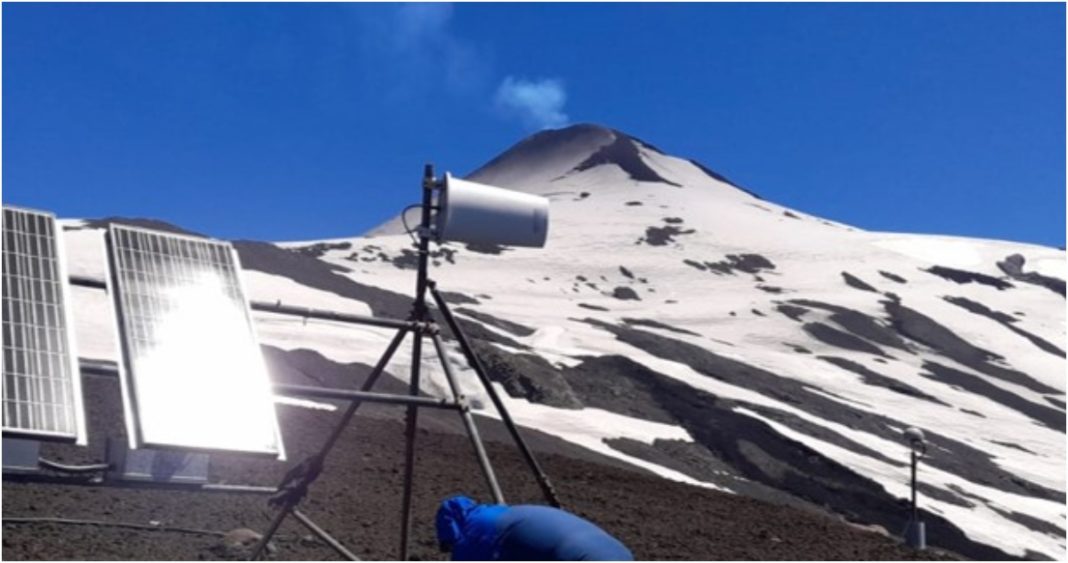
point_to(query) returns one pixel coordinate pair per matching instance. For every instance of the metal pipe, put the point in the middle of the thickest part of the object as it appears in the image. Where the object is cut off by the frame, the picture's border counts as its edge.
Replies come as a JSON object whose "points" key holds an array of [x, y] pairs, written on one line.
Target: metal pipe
{"points": [[469, 423], [98, 367], [915, 512], [419, 313], [472, 358], [345, 394], [83, 281], [322, 314], [315, 529], [411, 420]]}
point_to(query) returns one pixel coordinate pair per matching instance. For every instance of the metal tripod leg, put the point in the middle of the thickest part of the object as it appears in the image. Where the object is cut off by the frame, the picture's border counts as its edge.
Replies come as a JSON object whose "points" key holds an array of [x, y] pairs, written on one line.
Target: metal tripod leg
{"points": [[469, 423], [411, 419], [379, 368], [472, 358], [321, 533]]}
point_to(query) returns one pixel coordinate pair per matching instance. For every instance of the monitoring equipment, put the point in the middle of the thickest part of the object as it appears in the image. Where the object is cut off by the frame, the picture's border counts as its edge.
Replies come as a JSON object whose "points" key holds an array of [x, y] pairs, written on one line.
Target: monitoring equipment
{"points": [[42, 386], [465, 212], [195, 377], [915, 531], [915, 439], [477, 213]]}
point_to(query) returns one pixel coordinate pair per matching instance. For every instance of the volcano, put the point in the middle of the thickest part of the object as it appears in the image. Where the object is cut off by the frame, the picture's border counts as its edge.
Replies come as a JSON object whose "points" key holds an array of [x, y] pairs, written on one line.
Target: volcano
{"points": [[679, 325]]}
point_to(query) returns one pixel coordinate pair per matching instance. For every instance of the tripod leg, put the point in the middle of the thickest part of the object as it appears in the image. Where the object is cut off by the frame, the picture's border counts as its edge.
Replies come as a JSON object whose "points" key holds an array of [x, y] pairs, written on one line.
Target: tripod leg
{"points": [[539, 475], [469, 423], [409, 447], [379, 368], [321, 533]]}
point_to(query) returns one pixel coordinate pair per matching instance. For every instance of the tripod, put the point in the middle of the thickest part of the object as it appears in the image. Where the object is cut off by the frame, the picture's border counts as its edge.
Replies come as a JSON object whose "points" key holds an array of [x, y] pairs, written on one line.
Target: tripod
{"points": [[421, 324]]}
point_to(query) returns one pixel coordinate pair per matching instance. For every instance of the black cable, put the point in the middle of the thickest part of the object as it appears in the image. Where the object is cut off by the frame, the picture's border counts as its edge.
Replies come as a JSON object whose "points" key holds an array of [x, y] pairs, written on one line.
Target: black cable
{"points": [[47, 520], [404, 220], [62, 467]]}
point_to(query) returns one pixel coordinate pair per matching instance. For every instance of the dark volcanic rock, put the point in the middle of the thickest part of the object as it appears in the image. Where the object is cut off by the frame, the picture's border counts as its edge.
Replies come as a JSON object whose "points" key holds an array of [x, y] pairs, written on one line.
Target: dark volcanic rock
{"points": [[661, 236], [695, 264], [1013, 266], [759, 453], [857, 283], [625, 293], [151, 224], [311, 272], [964, 276], [308, 271], [873, 378], [792, 311], [893, 277], [947, 454], [925, 330], [713, 174], [657, 324], [505, 325], [748, 263], [483, 248], [858, 324], [1031, 523], [527, 376], [1007, 321], [1050, 417], [623, 153], [694, 460], [834, 337], [457, 298], [320, 248]]}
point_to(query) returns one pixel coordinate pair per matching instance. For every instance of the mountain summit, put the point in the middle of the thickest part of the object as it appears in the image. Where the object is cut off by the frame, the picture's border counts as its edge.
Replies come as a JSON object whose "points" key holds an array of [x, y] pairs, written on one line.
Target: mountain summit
{"points": [[575, 149], [547, 162]]}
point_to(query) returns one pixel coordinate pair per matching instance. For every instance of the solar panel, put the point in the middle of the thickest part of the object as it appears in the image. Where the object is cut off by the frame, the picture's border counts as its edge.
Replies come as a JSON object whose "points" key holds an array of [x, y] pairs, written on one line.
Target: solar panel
{"points": [[195, 377], [42, 384]]}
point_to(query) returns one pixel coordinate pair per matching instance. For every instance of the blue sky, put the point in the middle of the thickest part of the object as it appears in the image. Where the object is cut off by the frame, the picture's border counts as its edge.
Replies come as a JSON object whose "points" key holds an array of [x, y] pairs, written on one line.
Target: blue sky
{"points": [[299, 121]]}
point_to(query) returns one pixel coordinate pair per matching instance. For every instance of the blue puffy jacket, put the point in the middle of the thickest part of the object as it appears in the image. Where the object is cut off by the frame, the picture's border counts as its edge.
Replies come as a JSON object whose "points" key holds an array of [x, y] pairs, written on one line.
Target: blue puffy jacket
{"points": [[495, 532]]}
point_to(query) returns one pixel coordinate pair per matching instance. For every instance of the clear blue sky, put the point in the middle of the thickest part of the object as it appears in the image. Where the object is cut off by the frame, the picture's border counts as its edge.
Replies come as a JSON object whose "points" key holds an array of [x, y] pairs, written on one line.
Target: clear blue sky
{"points": [[298, 121]]}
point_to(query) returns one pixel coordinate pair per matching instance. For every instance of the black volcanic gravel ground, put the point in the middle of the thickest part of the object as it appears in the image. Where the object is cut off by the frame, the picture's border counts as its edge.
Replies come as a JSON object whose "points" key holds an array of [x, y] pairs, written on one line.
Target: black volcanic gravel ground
{"points": [[358, 499]]}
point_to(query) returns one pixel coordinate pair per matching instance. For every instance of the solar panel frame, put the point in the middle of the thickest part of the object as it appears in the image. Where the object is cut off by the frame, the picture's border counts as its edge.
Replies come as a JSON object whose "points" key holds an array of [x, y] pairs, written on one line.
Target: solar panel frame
{"points": [[133, 409], [56, 308]]}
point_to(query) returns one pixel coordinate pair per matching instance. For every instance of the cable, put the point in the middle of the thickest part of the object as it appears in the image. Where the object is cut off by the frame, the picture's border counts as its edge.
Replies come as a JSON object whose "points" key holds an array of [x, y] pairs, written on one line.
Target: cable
{"points": [[404, 220], [62, 467], [49, 520]]}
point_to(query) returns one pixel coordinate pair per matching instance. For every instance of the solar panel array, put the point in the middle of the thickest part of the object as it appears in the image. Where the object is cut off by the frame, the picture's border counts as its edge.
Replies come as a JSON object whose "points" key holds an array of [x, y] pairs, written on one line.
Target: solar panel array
{"points": [[42, 385], [195, 376]]}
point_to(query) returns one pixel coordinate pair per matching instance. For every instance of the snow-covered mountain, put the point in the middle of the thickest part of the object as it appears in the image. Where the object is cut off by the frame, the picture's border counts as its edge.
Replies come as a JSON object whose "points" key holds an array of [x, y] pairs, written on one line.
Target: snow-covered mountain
{"points": [[682, 324]]}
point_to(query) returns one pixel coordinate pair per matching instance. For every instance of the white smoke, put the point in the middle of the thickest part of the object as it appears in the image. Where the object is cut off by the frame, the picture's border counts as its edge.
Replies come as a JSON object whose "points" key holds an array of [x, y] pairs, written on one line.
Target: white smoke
{"points": [[538, 103]]}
